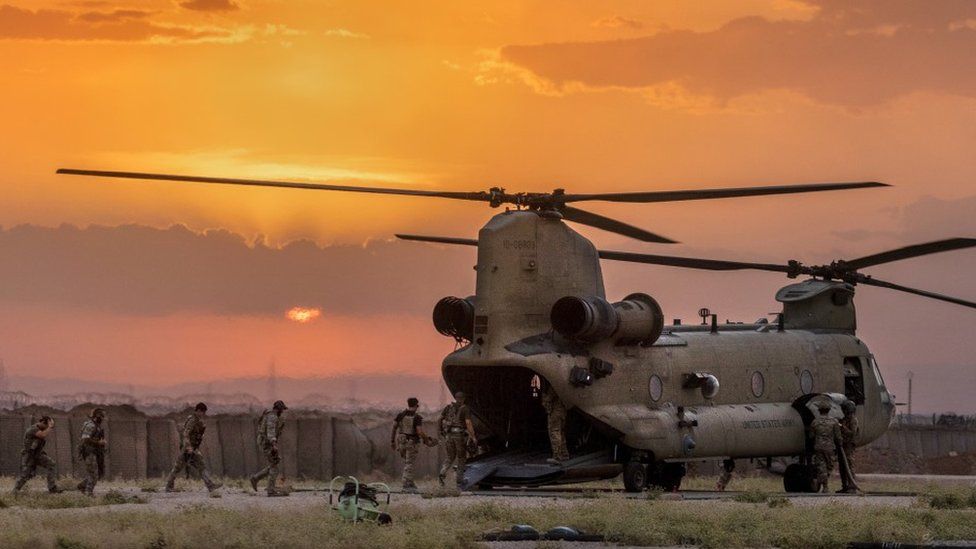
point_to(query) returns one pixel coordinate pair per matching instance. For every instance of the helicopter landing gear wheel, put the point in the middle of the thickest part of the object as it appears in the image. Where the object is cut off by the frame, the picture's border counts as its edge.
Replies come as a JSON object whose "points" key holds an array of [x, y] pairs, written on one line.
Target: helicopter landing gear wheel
{"points": [[800, 478], [635, 476], [669, 476]]}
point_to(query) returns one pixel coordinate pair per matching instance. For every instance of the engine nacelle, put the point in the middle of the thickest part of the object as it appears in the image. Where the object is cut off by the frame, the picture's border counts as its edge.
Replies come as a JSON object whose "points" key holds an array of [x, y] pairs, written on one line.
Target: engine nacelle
{"points": [[636, 319], [454, 317]]}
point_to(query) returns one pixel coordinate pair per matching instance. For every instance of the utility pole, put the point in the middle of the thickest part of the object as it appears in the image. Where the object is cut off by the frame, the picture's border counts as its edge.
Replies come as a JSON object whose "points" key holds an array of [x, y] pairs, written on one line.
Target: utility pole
{"points": [[910, 376]]}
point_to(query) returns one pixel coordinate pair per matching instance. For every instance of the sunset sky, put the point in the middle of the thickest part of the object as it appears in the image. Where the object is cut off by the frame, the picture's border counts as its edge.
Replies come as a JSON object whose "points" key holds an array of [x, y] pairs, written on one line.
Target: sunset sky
{"points": [[162, 282]]}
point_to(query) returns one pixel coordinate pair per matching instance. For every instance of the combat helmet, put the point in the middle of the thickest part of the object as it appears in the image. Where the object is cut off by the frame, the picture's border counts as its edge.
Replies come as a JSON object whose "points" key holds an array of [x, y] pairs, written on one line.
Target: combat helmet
{"points": [[279, 405]]}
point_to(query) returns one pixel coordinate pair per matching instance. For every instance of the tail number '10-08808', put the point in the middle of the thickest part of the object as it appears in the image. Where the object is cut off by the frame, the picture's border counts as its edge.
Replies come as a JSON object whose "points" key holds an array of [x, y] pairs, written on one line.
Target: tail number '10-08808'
{"points": [[519, 244]]}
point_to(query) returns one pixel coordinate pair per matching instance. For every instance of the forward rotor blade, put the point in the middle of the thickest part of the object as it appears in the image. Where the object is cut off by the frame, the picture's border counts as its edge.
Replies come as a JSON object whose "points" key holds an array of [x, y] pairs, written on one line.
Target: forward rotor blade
{"points": [[706, 194], [911, 251], [693, 262], [631, 257], [892, 286], [477, 196], [582, 217], [439, 239]]}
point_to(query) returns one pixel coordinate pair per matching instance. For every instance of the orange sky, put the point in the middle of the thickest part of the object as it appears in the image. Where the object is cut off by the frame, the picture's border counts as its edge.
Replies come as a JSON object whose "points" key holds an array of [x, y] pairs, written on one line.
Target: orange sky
{"points": [[620, 95]]}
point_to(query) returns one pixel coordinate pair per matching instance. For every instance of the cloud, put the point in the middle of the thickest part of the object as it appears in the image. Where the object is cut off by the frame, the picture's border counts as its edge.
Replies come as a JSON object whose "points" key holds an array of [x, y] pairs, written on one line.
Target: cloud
{"points": [[133, 269], [115, 26], [345, 33], [617, 21], [112, 16], [851, 55], [210, 5]]}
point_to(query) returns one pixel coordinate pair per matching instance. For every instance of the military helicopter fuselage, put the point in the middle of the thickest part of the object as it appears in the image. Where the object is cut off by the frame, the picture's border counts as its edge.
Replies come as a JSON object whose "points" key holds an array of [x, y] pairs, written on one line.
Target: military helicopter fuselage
{"points": [[650, 390], [642, 397]]}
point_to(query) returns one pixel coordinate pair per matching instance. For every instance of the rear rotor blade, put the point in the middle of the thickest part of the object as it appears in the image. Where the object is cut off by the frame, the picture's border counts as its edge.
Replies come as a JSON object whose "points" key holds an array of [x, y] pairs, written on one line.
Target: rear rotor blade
{"points": [[582, 217], [892, 286], [438, 239], [478, 196], [697, 263], [910, 251], [705, 194]]}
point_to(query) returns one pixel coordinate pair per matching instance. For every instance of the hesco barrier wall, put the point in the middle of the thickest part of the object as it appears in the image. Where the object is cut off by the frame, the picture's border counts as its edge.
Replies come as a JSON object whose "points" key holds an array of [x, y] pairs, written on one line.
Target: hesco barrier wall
{"points": [[315, 447]]}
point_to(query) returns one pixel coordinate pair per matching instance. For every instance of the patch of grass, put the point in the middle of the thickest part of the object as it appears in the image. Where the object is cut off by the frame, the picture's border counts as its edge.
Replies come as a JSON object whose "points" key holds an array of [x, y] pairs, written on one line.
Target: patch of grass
{"points": [[951, 499], [116, 497], [632, 522], [751, 496], [778, 501]]}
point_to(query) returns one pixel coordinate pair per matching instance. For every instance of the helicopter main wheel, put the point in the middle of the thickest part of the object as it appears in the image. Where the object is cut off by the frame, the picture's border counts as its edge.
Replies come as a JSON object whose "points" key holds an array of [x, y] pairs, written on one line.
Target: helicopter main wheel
{"points": [[635, 476], [669, 476], [800, 478]]}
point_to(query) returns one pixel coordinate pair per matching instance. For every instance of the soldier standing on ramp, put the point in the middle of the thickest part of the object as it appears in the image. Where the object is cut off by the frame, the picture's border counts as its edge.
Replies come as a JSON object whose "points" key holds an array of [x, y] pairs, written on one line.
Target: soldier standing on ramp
{"points": [[849, 431], [405, 440], [190, 457], [270, 426], [555, 423], [92, 451], [457, 429], [33, 456], [826, 439]]}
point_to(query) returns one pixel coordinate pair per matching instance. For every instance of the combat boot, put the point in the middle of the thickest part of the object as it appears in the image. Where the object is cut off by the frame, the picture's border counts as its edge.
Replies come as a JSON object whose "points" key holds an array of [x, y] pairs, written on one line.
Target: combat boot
{"points": [[55, 490], [254, 484], [277, 493], [440, 479]]}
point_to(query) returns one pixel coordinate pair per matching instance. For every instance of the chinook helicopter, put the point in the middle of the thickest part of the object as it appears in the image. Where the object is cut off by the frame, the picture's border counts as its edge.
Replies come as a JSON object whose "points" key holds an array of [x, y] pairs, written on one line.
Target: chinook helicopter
{"points": [[644, 398]]}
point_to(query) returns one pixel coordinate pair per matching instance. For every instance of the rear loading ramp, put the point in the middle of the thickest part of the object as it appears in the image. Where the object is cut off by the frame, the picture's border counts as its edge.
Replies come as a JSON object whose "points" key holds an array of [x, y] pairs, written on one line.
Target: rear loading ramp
{"points": [[523, 467]]}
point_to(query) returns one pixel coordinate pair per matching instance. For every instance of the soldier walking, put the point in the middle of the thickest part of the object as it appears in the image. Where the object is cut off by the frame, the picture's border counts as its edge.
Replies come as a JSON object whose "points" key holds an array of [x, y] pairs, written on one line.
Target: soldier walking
{"points": [[826, 440], [190, 458], [555, 423], [405, 440], [270, 426], [33, 456], [92, 451], [457, 430], [849, 431]]}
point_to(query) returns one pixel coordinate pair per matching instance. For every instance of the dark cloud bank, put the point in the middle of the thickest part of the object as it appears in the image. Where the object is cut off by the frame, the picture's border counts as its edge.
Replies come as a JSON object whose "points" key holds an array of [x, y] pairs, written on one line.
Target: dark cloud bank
{"points": [[850, 53], [134, 269]]}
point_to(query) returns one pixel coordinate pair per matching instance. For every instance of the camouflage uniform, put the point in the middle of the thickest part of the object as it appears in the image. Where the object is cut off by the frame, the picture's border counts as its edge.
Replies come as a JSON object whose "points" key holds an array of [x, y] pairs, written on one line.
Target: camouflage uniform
{"points": [[555, 423], [191, 437], [92, 454], [849, 431], [406, 439], [826, 436], [32, 457], [728, 467], [454, 427], [270, 427]]}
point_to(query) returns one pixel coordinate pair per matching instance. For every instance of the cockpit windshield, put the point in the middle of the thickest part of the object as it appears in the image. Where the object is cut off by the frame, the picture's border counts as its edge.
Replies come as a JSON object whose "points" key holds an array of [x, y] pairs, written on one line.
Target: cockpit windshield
{"points": [[885, 397]]}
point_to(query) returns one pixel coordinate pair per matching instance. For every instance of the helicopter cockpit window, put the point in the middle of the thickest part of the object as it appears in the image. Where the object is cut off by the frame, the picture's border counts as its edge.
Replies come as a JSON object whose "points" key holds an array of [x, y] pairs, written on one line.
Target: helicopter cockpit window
{"points": [[854, 379], [877, 375]]}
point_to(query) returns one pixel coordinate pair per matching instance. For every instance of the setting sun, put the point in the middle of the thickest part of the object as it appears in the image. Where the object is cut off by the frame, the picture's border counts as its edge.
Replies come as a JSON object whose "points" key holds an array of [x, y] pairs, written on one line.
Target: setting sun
{"points": [[303, 314]]}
